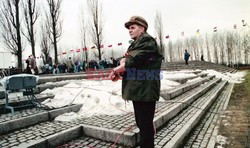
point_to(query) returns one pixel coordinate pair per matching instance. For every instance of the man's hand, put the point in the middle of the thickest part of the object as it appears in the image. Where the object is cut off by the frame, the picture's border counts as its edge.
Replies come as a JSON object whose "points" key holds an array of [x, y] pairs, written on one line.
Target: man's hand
{"points": [[114, 76]]}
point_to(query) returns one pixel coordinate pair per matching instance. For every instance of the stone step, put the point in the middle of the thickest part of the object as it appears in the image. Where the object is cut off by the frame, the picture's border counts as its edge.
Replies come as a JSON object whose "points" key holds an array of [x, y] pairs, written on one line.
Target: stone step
{"points": [[28, 117], [184, 80], [71, 77], [113, 126], [173, 133], [196, 71], [170, 110], [204, 134], [171, 93], [106, 127], [37, 135], [84, 140]]}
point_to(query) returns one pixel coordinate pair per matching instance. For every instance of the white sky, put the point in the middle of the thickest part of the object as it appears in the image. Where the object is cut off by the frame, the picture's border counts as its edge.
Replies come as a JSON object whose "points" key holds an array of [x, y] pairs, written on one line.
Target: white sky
{"points": [[178, 16]]}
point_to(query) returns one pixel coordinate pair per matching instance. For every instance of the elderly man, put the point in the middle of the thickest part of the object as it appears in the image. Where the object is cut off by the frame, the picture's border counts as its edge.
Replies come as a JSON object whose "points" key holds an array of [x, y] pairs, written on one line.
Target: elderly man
{"points": [[140, 69]]}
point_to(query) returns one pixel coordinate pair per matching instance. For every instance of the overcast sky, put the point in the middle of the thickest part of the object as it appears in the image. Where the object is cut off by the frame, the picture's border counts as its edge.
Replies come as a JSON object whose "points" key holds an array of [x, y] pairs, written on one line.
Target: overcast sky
{"points": [[177, 15]]}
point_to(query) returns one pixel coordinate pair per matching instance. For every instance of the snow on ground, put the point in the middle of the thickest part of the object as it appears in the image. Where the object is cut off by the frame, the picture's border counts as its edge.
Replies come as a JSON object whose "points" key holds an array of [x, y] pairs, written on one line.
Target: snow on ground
{"points": [[177, 74], [104, 97], [230, 77], [192, 80]]}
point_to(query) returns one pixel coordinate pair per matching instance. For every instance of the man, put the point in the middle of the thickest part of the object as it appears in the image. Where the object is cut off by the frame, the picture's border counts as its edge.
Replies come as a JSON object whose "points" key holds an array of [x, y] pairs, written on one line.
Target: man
{"points": [[186, 56], [139, 85], [33, 64], [69, 64], [28, 69]]}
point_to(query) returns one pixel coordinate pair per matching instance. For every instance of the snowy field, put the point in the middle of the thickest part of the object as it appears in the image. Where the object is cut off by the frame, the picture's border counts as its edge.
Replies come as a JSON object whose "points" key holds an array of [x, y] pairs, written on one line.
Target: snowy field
{"points": [[104, 96]]}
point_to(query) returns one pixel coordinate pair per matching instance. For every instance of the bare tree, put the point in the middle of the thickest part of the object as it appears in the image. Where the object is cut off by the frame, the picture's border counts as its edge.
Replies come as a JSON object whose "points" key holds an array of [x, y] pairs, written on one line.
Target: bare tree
{"points": [[215, 46], [96, 24], [246, 47], [237, 52], [11, 28], [31, 15], [55, 23], [170, 51], [221, 43], [201, 45], [45, 42], [208, 49], [179, 47], [83, 29], [194, 48], [159, 31], [229, 43]]}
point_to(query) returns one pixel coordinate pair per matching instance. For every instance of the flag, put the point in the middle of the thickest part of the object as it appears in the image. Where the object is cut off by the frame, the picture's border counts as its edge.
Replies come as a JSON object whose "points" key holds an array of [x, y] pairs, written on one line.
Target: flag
{"points": [[78, 50], [64, 52], [215, 29], [167, 37], [182, 33], [235, 26], [198, 32], [85, 49], [102, 46], [109, 45], [119, 44], [93, 47]]}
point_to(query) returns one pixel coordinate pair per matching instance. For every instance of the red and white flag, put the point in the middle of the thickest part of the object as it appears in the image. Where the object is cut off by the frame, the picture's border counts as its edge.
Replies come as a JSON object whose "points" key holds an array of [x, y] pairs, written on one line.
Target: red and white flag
{"points": [[85, 49]]}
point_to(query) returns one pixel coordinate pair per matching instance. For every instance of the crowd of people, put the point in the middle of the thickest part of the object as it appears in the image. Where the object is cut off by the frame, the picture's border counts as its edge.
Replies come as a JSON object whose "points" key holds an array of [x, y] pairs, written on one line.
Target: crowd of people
{"points": [[68, 66]]}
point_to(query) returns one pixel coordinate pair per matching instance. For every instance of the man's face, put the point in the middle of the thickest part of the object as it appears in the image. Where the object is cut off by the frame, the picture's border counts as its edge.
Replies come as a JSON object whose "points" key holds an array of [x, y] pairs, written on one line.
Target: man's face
{"points": [[135, 31]]}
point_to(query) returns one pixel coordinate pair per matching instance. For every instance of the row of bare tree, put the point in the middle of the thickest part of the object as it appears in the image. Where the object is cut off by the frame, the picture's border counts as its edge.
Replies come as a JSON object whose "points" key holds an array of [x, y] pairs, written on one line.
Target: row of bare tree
{"points": [[227, 47], [13, 30]]}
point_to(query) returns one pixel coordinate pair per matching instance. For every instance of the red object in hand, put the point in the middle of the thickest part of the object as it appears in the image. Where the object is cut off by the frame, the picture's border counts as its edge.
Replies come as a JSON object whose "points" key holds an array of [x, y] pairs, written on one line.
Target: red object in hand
{"points": [[126, 54]]}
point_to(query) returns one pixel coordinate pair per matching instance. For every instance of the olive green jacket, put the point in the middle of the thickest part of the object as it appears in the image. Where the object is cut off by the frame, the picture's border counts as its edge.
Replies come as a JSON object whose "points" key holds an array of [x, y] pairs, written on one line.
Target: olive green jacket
{"points": [[141, 81]]}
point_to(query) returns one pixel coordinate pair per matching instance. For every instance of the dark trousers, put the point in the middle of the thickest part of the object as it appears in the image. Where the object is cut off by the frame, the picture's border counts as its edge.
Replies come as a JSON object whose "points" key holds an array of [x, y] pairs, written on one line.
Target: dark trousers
{"points": [[144, 115], [186, 61]]}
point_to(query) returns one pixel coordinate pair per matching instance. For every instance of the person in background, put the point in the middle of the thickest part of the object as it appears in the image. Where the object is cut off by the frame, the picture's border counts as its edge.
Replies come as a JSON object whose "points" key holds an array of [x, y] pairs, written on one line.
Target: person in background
{"points": [[186, 56], [202, 57], [28, 69], [142, 55], [69, 64], [33, 64], [113, 62]]}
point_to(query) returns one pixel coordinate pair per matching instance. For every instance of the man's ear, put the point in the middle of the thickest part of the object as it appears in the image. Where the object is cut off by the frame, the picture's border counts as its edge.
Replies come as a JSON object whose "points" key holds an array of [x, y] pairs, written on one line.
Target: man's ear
{"points": [[142, 29]]}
